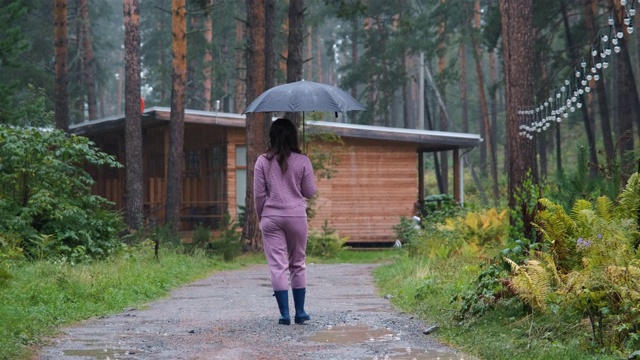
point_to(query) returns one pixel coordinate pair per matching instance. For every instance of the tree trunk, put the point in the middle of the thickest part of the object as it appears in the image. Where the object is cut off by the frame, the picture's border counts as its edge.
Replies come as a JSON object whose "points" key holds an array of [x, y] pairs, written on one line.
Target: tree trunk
{"points": [[60, 43], [88, 67], [601, 93], [257, 123], [575, 59], [444, 123], [240, 71], [483, 106], [463, 88], [627, 93], [354, 52], [517, 37], [133, 127], [493, 104], [176, 120], [294, 46], [207, 71]]}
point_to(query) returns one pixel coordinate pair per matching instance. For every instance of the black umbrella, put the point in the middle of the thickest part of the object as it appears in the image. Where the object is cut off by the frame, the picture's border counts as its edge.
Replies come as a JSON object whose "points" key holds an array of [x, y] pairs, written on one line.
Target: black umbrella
{"points": [[301, 96], [304, 96]]}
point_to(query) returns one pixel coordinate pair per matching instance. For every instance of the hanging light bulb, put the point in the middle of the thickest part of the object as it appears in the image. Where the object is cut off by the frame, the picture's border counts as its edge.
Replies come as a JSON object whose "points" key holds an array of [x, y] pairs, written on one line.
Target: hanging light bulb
{"points": [[616, 49], [587, 89], [566, 82], [573, 109], [583, 83], [546, 104], [632, 11], [593, 70], [605, 37], [623, 2], [607, 51], [583, 64], [605, 64], [565, 115], [589, 77], [558, 95], [594, 52], [579, 105], [610, 21], [614, 41], [630, 29], [598, 65], [627, 21], [620, 34], [580, 91], [578, 74], [562, 88], [596, 77]]}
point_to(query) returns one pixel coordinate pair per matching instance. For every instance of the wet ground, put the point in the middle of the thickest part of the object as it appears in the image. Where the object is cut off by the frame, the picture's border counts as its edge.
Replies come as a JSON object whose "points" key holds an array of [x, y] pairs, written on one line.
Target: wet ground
{"points": [[233, 315]]}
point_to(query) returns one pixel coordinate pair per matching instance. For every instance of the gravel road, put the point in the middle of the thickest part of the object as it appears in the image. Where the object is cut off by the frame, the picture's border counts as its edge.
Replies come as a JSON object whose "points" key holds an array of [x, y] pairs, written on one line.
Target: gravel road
{"points": [[233, 315]]}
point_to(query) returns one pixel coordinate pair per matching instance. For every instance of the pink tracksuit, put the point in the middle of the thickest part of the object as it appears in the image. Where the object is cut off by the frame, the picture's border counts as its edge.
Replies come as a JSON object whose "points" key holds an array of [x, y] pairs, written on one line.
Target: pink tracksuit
{"points": [[281, 208]]}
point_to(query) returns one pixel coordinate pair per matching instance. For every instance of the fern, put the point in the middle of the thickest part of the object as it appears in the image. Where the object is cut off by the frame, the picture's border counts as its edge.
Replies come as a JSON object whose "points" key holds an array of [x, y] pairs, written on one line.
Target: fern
{"points": [[531, 283]]}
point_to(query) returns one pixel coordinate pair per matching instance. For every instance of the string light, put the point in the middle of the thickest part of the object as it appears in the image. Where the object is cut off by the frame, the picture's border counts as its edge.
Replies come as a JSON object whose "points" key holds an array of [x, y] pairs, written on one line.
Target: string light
{"points": [[568, 98]]}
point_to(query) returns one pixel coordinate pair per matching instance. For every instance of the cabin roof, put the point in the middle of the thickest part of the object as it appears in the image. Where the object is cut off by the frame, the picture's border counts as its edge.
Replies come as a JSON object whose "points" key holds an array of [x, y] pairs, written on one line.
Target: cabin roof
{"points": [[424, 140]]}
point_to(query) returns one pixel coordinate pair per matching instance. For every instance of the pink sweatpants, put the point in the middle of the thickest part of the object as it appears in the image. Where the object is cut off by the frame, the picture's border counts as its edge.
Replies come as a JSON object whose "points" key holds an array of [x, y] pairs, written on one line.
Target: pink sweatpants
{"points": [[285, 244]]}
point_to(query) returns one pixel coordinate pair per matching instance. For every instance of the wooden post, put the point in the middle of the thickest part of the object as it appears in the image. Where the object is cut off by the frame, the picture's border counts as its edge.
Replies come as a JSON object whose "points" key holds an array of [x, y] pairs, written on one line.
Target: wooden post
{"points": [[457, 177], [420, 181]]}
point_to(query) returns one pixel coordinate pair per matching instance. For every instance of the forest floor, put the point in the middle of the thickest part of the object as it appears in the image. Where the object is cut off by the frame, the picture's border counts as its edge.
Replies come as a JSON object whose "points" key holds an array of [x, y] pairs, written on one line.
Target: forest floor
{"points": [[233, 315]]}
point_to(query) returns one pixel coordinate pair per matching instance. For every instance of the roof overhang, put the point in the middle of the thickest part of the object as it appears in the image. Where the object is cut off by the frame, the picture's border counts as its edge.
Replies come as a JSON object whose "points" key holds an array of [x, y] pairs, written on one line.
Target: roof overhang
{"points": [[423, 140]]}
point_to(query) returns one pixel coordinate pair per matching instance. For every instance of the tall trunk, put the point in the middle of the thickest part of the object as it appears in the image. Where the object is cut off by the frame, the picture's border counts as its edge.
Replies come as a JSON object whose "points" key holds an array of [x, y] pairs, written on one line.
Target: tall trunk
{"points": [[269, 44], [493, 104], [294, 45], [318, 56], [627, 93], [593, 156], [309, 74], [257, 123], [603, 107], [462, 56], [483, 106], [60, 43], [517, 37], [207, 71], [119, 95], [176, 119], [89, 69], [240, 71], [444, 123], [354, 52], [133, 128]]}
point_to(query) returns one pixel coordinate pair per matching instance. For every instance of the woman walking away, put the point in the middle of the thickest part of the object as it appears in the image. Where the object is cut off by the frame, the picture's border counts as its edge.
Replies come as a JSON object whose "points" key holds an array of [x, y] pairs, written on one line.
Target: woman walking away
{"points": [[283, 179]]}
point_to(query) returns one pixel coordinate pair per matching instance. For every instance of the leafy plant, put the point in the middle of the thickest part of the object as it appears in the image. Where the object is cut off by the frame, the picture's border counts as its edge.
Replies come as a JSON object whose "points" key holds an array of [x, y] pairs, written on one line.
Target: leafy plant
{"points": [[46, 192], [326, 244], [229, 243]]}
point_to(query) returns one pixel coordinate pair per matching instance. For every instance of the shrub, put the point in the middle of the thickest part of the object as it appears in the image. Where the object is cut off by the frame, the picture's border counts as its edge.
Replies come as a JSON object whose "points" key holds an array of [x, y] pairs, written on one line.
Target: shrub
{"points": [[46, 193], [325, 244], [229, 243]]}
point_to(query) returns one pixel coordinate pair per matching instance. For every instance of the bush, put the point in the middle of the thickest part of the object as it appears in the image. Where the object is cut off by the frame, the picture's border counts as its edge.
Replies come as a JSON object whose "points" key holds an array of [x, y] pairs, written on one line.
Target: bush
{"points": [[229, 243], [46, 195], [326, 244]]}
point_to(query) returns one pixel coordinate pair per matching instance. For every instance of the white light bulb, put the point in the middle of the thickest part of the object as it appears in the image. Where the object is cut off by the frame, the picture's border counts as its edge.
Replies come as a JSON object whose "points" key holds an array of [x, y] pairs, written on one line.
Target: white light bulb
{"points": [[578, 74], [583, 64], [594, 52], [587, 89], [546, 104], [616, 49], [596, 77], [579, 105], [614, 41], [573, 109], [558, 95], [620, 34], [565, 115], [630, 29], [603, 55], [623, 2], [589, 77], [632, 11], [593, 69], [566, 82], [610, 21], [563, 88], [605, 38], [583, 83], [580, 91], [605, 64], [607, 51], [598, 65], [627, 21], [574, 98]]}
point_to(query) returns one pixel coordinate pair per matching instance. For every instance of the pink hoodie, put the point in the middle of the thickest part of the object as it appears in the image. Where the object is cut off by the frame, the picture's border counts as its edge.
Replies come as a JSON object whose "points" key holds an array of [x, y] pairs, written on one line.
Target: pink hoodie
{"points": [[283, 194]]}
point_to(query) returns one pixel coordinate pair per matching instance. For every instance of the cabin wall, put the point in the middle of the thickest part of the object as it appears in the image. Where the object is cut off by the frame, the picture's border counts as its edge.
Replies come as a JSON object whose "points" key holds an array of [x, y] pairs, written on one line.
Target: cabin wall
{"points": [[235, 137], [375, 184]]}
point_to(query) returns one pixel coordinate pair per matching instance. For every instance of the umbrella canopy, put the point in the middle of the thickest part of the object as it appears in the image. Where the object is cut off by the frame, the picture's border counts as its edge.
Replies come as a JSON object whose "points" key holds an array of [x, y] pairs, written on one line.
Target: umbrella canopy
{"points": [[301, 96]]}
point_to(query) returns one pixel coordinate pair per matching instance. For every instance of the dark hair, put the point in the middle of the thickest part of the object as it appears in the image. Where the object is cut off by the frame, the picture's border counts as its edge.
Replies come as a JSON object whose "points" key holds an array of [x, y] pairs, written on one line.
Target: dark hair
{"points": [[283, 140]]}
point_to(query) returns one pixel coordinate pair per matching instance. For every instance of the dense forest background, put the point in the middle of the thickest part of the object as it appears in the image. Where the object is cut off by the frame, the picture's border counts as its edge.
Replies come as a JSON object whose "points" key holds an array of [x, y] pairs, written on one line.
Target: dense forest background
{"points": [[371, 48]]}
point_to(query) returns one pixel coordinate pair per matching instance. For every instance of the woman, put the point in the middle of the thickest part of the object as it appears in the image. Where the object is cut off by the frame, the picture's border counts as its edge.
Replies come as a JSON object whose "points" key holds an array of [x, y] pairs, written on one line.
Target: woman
{"points": [[283, 179]]}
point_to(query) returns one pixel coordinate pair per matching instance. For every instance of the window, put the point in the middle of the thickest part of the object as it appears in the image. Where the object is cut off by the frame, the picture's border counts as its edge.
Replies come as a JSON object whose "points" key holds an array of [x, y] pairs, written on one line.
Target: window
{"points": [[241, 177]]}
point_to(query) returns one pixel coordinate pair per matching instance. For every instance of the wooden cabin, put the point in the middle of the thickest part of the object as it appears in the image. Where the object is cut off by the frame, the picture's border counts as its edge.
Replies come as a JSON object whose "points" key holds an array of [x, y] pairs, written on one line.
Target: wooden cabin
{"points": [[377, 178]]}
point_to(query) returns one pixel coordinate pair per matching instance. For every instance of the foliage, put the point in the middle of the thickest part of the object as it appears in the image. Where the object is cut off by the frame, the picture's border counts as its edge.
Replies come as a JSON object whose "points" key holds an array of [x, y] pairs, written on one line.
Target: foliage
{"points": [[46, 196], [12, 43], [228, 243], [326, 244], [406, 230]]}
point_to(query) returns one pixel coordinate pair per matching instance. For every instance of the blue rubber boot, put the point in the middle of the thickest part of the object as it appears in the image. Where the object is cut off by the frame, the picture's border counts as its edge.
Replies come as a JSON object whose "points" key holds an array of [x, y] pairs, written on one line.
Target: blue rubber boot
{"points": [[298, 300], [282, 297]]}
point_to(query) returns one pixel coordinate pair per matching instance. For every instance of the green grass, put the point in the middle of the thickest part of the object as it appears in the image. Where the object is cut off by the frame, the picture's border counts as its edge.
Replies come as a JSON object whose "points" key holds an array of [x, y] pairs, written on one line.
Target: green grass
{"points": [[42, 296], [425, 287], [354, 256]]}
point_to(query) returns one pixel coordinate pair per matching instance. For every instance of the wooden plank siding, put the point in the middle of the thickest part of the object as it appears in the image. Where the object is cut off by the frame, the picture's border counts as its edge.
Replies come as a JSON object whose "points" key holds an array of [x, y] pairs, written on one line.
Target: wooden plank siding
{"points": [[372, 189]]}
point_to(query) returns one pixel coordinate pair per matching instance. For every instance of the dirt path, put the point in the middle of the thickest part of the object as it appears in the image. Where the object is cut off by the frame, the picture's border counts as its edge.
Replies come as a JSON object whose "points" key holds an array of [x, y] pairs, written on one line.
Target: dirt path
{"points": [[232, 315]]}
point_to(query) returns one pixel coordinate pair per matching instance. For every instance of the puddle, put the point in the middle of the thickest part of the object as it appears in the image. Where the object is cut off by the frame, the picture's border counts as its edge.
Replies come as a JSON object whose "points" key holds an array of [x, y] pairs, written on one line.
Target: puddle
{"points": [[417, 354], [353, 334], [103, 354]]}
